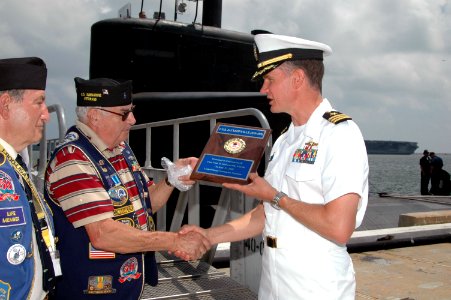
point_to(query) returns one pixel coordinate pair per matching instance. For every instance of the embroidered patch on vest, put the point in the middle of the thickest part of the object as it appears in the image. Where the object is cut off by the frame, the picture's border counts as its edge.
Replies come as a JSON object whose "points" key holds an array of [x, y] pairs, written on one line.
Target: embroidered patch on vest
{"points": [[122, 211], [16, 254], [128, 222], [7, 190], [16, 236], [135, 165], [99, 254], [5, 289], [100, 285], [336, 117], [70, 137], [307, 154], [129, 270], [12, 216], [118, 195]]}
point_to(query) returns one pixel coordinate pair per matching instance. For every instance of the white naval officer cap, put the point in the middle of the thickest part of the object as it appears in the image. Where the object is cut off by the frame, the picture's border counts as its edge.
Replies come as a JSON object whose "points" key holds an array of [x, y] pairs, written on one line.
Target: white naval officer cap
{"points": [[271, 50]]}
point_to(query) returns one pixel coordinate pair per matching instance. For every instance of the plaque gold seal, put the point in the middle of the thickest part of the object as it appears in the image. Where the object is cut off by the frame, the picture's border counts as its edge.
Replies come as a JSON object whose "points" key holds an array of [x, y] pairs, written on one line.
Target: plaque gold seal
{"points": [[235, 145]]}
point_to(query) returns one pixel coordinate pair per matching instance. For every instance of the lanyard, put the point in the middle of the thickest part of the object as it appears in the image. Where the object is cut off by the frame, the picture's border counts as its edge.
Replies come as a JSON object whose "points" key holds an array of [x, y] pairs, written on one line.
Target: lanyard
{"points": [[38, 206]]}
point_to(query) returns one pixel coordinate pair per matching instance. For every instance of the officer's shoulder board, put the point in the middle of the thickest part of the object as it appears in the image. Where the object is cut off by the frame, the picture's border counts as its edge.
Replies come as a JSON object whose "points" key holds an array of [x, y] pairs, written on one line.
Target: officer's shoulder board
{"points": [[336, 117]]}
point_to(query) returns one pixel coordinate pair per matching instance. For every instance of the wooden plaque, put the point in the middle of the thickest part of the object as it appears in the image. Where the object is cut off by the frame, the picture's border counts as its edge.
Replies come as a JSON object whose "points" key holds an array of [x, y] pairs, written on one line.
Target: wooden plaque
{"points": [[231, 153]]}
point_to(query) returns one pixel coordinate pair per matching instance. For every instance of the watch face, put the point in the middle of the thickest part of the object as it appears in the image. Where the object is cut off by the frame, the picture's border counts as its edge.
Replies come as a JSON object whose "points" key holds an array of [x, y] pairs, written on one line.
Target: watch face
{"points": [[275, 204]]}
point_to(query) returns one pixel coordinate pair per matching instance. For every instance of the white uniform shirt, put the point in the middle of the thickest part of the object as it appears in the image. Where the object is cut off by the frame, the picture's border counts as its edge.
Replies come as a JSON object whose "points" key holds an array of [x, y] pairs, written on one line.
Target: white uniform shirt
{"points": [[314, 163]]}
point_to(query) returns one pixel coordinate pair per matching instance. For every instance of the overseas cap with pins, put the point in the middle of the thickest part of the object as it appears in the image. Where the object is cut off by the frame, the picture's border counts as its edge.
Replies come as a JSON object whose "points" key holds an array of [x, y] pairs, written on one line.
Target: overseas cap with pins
{"points": [[271, 50], [24, 73], [104, 92]]}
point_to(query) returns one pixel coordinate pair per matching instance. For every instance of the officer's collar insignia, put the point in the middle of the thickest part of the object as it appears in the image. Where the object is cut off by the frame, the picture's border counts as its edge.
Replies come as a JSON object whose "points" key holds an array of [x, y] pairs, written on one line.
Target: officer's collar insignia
{"points": [[336, 117], [307, 154]]}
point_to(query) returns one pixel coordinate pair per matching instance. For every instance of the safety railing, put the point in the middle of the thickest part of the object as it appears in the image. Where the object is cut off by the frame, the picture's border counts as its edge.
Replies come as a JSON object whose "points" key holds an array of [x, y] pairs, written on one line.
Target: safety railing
{"points": [[38, 162], [190, 200]]}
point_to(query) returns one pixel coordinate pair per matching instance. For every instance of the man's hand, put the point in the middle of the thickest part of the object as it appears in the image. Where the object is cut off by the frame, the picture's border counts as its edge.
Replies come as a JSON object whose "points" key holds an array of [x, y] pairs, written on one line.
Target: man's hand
{"points": [[180, 163], [190, 246], [188, 228], [258, 188]]}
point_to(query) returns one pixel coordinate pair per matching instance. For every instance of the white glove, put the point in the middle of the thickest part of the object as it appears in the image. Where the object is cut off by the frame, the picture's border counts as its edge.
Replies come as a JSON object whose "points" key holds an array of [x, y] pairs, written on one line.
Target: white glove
{"points": [[174, 172]]}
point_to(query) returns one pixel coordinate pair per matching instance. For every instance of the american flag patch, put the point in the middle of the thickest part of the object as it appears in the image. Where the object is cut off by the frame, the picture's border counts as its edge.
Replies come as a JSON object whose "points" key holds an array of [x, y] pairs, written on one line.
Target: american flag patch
{"points": [[99, 254]]}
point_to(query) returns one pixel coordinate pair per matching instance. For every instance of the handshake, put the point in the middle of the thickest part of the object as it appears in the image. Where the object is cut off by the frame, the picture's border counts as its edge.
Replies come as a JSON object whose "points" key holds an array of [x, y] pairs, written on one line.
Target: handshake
{"points": [[191, 242]]}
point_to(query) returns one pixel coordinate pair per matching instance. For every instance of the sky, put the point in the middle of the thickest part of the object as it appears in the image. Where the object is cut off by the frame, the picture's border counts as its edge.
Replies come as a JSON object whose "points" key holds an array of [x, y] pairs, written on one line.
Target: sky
{"points": [[390, 69]]}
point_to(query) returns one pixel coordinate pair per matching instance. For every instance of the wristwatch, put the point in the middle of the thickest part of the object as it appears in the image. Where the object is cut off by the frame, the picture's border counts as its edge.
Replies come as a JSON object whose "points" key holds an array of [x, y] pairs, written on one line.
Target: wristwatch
{"points": [[166, 180], [275, 201]]}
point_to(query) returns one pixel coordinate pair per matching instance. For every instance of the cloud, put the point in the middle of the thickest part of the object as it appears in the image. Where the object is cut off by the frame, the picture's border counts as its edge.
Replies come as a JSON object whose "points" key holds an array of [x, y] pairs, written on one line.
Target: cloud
{"points": [[390, 70]]}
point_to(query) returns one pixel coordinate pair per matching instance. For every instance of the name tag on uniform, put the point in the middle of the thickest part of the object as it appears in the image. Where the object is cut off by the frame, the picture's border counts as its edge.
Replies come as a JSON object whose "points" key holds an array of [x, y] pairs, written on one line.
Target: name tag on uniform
{"points": [[12, 216]]}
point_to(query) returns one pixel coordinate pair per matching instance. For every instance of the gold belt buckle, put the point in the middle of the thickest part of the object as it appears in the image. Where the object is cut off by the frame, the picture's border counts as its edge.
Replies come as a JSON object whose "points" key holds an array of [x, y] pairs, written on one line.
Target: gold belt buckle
{"points": [[271, 241]]}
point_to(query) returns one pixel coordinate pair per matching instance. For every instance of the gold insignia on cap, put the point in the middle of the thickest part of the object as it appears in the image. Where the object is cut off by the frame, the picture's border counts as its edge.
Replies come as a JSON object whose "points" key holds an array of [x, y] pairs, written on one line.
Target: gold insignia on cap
{"points": [[263, 71], [275, 59], [336, 117]]}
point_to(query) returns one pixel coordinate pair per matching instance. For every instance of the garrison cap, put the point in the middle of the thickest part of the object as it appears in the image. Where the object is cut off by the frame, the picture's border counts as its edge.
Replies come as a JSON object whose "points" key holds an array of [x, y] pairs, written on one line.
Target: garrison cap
{"points": [[103, 92], [271, 50], [24, 73]]}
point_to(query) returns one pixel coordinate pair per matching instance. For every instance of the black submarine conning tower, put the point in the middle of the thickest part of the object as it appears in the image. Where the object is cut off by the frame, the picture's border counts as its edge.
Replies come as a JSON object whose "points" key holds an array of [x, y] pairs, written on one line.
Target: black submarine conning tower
{"points": [[212, 13]]}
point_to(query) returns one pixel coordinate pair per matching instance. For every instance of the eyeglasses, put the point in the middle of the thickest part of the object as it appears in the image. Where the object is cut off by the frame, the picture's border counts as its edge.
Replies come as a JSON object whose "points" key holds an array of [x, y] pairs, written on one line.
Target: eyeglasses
{"points": [[124, 114]]}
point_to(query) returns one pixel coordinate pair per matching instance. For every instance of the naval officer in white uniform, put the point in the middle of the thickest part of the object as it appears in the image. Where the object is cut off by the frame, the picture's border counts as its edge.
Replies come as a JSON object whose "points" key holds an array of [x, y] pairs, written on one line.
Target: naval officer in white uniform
{"points": [[315, 190]]}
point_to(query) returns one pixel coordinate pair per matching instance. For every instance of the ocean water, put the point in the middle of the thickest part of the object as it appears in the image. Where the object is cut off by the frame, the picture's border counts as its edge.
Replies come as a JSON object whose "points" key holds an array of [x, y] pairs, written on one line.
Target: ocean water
{"points": [[398, 174]]}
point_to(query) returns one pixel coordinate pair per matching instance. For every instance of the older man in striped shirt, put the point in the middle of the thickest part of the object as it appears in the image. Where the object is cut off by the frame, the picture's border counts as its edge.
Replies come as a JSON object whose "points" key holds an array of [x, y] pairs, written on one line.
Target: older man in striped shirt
{"points": [[103, 202]]}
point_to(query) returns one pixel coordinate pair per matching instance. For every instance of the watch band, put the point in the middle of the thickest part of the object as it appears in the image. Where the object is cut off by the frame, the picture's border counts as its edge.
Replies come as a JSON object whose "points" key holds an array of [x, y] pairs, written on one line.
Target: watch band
{"points": [[275, 201], [166, 180]]}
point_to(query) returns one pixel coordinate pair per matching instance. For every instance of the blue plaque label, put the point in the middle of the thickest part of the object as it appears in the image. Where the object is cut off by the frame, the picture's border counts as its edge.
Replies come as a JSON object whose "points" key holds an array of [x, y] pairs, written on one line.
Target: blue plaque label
{"points": [[230, 167], [241, 131]]}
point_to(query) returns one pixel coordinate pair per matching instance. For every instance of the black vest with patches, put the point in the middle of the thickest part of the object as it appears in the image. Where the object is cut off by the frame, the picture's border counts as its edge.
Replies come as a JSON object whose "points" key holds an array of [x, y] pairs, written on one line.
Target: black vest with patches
{"points": [[89, 273]]}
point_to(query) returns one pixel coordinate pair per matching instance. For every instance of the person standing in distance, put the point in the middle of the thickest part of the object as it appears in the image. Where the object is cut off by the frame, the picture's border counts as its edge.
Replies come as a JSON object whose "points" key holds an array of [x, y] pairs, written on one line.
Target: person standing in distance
{"points": [[28, 257], [103, 202], [315, 189], [425, 166], [436, 171]]}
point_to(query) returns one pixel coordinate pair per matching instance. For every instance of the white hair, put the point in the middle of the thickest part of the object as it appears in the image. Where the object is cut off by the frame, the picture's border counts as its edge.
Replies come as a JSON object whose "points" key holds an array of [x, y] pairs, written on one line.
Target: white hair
{"points": [[82, 113]]}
